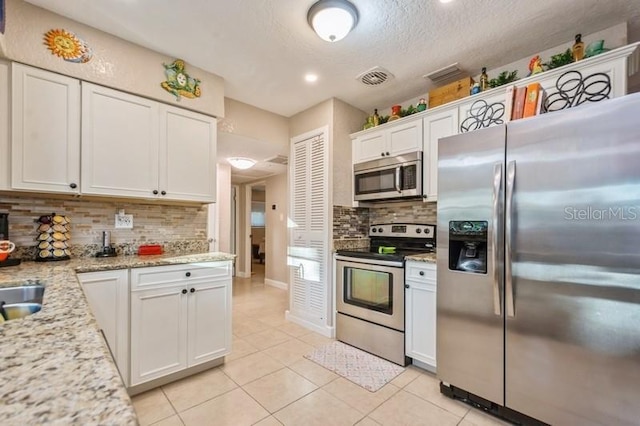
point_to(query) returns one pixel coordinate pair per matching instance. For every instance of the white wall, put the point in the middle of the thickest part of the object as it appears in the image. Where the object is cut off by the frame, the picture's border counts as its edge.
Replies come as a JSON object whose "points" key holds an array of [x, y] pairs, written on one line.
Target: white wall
{"points": [[224, 207], [116, 63]]}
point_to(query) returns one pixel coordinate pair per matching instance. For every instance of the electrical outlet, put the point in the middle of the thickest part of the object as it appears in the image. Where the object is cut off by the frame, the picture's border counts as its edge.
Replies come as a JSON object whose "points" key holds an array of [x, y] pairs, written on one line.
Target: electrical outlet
{"points": [[124, 221]]}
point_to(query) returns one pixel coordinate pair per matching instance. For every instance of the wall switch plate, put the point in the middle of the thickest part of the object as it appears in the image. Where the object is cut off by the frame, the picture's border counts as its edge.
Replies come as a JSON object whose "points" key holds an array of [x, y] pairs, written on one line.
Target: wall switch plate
{"points": [[124, 221]]}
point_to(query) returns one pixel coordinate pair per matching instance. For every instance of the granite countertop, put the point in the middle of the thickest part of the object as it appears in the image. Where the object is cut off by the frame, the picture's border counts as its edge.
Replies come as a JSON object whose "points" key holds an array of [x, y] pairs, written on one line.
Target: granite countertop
{"points": [[425, 257], [55, 367]]}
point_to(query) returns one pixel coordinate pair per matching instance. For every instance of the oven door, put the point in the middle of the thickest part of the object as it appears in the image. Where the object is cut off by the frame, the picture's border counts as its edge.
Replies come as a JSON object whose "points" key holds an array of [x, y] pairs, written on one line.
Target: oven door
{"points": [[371, 291]]}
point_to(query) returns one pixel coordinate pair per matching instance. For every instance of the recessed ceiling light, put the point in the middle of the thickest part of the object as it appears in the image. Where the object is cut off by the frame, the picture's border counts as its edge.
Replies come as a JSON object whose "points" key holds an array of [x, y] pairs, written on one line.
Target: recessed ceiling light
{"points": [[446, 1], [311, 78]]}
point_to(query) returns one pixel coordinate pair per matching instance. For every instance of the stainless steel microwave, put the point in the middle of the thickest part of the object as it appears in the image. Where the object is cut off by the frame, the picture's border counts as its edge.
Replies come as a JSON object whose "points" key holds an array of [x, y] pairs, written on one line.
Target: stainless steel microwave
{"points": [[389, 178]]}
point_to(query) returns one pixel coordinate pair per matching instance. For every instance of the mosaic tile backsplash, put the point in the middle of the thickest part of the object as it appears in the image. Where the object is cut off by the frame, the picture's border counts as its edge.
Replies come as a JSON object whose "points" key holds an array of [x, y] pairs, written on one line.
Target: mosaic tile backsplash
{"points": [[178, 228], [353, 223]]}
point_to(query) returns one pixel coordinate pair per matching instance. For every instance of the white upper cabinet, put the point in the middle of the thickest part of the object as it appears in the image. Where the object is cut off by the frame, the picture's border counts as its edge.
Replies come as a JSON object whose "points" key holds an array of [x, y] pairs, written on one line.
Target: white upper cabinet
{"points": [[136, 147], [437, 125], [393, 140], [45, 131], [187, 155], [119, 143]]}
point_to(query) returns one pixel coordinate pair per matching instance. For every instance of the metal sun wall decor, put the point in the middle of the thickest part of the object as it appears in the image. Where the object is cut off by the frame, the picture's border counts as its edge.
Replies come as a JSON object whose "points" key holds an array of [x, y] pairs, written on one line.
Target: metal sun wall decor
{"points": [[483, 114], [179, 83], [67, 46]]}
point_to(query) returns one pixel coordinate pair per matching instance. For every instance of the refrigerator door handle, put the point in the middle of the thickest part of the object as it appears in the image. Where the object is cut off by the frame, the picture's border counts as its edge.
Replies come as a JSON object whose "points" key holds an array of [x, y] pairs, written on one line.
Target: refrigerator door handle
{"points": [[497, 192], [511, 179]]}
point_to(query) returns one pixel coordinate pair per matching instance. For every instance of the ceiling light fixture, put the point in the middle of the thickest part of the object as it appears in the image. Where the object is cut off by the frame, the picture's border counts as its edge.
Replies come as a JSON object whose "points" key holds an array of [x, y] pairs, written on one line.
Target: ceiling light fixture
{"points": [[311, 78], [241, 163], [332, 20]]}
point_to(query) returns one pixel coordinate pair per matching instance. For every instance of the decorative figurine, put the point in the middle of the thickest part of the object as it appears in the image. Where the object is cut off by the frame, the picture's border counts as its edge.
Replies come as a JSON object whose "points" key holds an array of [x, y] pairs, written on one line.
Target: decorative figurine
{"points": [[369, 124], [475, 88], [395, 112], [422, 105], [535, 65]]}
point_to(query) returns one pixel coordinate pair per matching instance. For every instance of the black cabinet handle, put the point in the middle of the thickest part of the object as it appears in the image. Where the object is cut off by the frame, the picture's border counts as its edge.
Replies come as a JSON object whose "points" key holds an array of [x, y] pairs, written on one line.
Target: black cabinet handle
{"points": [[407, 286], [164, 193], [188, 274], [382, 154], [387, 154], [421, 273], [73, 186], [184, 291], [193, 290], [155, 192]]}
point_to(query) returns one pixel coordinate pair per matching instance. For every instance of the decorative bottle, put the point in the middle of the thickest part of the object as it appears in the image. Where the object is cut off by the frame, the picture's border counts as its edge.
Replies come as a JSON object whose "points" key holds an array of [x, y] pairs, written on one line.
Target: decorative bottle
{"points": [[578, 48], [376, 117], [484, 80]]}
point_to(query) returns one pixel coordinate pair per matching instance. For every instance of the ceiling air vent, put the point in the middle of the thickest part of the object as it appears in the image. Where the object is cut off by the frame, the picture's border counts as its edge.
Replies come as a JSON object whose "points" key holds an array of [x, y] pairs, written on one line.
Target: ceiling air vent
{"points": [[278, 159], [375, 76], [446, 74]]}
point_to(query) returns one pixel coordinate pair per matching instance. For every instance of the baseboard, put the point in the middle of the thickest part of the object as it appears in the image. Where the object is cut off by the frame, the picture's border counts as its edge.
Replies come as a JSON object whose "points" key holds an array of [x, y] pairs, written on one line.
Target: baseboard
{"points": [[276, 284], [325, 330], [423, 365], [243, 274]]}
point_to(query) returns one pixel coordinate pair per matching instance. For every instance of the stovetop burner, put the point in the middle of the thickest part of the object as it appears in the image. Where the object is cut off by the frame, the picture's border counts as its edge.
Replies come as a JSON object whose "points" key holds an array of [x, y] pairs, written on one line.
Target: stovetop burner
{"points": [[394, 241]]}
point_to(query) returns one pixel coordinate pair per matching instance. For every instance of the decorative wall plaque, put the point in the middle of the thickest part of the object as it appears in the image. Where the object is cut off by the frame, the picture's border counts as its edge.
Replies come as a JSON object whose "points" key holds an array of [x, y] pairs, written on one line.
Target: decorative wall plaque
{"points": [[179, 83], [67, 46]]}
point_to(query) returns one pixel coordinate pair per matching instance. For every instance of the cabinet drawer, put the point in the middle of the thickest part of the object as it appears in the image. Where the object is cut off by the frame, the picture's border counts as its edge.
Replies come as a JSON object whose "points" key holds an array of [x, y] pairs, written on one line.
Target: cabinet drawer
{"points": [[420, 271], [162, 276]]}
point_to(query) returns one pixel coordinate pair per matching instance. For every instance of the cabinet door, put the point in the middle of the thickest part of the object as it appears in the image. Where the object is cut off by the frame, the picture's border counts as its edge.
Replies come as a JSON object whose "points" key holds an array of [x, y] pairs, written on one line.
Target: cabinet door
{"points": [[119, 143], [209, 321], [158, 333], [370, 147], [5, 134], [108, 296], [404, 138], [420, 297], [187, 155], [45, 131], [436, 126]]}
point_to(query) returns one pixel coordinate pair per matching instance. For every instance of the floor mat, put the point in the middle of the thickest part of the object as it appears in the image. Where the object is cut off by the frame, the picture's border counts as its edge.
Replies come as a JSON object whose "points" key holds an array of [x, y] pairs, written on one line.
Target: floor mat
{"points": [[360, 367]]}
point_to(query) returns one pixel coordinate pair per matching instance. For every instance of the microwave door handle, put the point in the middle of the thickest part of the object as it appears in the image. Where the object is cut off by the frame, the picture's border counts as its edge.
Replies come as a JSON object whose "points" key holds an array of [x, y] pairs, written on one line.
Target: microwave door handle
{"points": [[398, 178]]}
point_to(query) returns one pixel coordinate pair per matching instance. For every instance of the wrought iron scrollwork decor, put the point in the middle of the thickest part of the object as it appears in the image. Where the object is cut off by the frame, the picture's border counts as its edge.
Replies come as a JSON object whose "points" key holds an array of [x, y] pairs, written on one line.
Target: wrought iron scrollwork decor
{"points": [[573, 89], [483, 114]]}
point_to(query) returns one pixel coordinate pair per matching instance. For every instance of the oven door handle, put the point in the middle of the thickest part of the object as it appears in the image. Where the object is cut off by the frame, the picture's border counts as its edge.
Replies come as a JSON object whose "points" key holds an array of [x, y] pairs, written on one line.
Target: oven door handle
{"points": [[398, 179]]}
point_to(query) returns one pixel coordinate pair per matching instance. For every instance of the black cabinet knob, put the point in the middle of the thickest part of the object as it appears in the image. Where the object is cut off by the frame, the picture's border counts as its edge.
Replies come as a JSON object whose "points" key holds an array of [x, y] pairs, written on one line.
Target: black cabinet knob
{"points": [[184, 291], [407, 286], [73, 186], [193, 290], [155, 192], [387, 154], [382, 154], [164, 193], [188, 274], [421, 273]]}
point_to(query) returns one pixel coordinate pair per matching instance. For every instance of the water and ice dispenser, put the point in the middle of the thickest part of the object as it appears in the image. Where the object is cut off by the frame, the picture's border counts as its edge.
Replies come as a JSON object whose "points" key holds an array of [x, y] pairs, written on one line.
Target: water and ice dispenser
{"points": [[468, 246]]}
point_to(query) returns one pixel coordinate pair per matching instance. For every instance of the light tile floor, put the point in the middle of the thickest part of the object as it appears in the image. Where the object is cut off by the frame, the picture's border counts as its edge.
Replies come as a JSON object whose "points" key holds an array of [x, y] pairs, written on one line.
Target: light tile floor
{"points": [[266, 381]]}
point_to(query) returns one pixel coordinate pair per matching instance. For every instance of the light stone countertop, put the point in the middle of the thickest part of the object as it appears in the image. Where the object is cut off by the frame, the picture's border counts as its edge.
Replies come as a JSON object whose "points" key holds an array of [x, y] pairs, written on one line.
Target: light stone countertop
{"points": [[55, 367], [426, 257]]}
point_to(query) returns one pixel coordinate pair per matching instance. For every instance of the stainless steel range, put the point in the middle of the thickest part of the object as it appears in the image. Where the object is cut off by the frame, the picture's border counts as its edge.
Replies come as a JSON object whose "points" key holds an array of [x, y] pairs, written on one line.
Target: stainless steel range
{"points": [[370, 288]]}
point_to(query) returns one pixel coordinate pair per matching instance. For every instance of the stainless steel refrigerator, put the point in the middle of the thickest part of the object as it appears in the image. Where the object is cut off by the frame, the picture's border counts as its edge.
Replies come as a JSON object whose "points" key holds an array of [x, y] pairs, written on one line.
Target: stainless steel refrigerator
{"points": [[538, 300]]}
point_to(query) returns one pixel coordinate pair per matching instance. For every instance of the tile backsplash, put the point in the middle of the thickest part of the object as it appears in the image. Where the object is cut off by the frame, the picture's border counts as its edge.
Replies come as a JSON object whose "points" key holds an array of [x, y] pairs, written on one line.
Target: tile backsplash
{"points": [[353, 223], [179, 228]]}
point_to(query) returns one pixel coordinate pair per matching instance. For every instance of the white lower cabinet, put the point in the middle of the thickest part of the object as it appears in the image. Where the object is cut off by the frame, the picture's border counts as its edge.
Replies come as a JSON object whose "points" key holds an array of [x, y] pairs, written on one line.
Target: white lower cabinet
{"points": [[180, 317], [420, 311], [108, 295]]}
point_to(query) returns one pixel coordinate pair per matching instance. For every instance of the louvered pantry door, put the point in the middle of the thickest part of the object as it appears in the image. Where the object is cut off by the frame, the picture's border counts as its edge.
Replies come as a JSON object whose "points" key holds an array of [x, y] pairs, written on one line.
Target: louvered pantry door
{"points": [[308, 249]]}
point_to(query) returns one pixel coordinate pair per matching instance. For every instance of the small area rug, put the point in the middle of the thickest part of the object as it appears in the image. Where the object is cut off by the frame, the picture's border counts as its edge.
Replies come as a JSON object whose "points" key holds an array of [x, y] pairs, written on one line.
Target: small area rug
{"points": [[360, 367]]}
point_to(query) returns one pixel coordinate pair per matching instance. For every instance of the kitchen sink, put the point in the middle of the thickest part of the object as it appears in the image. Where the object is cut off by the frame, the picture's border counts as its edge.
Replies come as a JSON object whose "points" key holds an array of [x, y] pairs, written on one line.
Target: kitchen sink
{"points": [[20, 301]]}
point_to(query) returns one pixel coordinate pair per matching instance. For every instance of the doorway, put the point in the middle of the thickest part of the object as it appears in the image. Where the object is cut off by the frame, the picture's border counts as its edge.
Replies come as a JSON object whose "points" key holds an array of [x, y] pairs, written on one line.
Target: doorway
{"points": [[255, 252]]}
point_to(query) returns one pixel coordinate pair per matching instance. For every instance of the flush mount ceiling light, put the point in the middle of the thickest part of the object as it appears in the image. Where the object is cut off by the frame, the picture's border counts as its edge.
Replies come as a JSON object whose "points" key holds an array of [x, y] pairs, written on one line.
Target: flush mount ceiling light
{"points": [[332, 19], [241, 163]]}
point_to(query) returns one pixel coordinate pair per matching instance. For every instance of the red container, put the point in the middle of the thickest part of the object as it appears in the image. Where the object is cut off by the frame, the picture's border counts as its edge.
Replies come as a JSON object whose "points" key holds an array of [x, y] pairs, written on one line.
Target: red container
{"points": [[149, 249]]}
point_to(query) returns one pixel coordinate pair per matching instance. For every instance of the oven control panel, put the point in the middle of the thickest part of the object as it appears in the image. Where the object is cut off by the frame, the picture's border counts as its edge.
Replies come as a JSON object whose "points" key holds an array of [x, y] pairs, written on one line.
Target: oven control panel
{"points": [[407, 230]]}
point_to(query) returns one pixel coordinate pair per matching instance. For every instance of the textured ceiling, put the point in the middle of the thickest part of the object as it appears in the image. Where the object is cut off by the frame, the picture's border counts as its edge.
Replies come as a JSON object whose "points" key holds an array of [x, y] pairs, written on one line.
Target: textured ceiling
{"points": [[263, 48]]}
